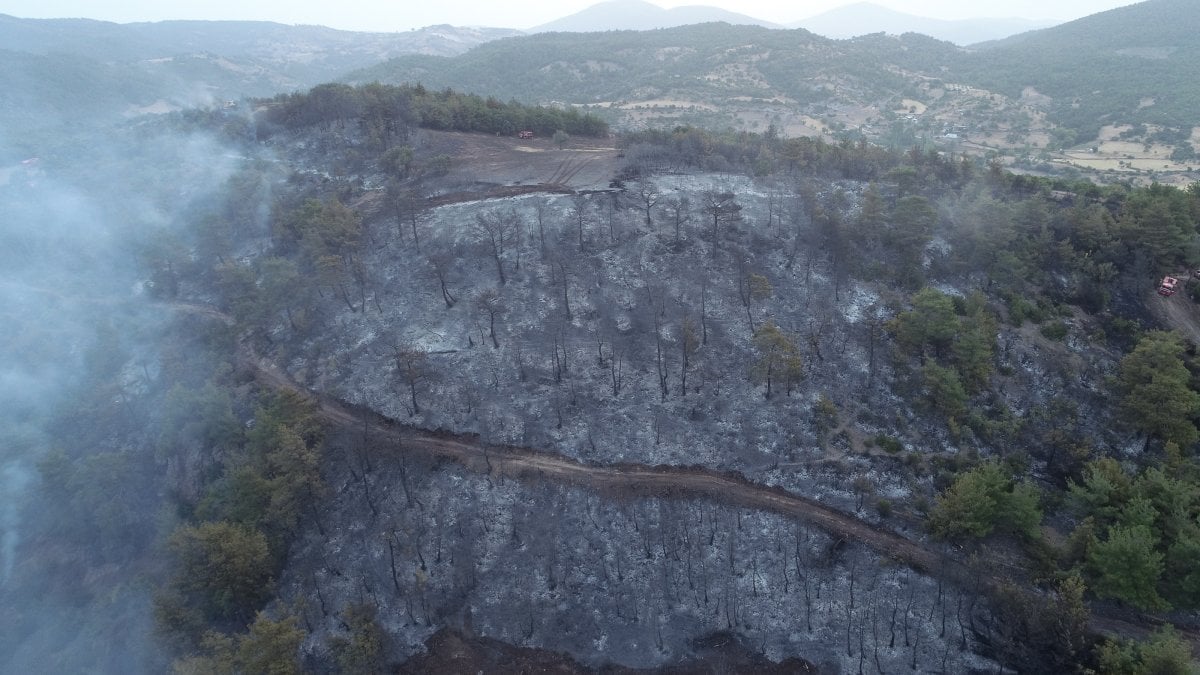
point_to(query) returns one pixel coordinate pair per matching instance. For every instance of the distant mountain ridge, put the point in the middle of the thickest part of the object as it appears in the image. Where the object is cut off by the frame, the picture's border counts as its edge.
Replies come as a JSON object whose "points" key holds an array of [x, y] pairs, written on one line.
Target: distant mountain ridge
{"points": [[56, 71], [854, 20], [265, 40], [641, 15], [710, 63], [1125, 66], [864, 18]]}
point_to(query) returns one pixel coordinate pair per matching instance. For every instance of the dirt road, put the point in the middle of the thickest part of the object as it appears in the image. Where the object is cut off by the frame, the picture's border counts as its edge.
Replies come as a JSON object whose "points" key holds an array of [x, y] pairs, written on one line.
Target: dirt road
{"points": [[661, 481], [1177, 312], [657, 481]]}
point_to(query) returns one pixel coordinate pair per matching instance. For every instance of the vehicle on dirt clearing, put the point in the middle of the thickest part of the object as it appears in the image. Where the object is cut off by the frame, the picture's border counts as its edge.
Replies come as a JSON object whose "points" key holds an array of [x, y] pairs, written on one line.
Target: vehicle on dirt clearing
{"points": [[1168, 286], [525, 134]]}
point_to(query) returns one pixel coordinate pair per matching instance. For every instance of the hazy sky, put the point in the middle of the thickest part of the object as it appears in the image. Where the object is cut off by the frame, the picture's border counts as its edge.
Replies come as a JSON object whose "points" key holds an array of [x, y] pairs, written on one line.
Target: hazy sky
{"points": [[396, 15]]}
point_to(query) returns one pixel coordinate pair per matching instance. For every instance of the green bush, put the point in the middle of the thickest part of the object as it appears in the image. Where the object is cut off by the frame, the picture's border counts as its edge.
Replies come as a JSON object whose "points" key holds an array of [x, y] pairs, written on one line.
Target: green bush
{"points": [[985, 499], [889, 444], [1054, 330], [1021, 310]]}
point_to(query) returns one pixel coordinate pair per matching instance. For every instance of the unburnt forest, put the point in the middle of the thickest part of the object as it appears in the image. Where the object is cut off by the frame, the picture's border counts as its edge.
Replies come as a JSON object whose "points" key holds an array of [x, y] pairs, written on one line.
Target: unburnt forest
{"points": [[743, 397]]}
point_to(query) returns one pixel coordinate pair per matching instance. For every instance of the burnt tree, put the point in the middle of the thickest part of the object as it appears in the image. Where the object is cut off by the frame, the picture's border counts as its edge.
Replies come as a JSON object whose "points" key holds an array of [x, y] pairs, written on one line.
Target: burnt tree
{"points": [[496, 230]]}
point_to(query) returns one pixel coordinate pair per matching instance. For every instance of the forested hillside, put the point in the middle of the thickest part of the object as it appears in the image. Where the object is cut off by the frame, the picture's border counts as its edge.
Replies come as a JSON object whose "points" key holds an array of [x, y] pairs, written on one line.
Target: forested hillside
{"points": [[708, 62], [386, 114], [783, 399], [1038, 92], [1127, 65]]}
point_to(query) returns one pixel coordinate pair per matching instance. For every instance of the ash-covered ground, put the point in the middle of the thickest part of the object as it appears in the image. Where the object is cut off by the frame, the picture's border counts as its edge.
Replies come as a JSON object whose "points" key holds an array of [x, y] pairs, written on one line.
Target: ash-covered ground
{"points": [[605, 578], [586, 381], [629, 292], [568, 323]]}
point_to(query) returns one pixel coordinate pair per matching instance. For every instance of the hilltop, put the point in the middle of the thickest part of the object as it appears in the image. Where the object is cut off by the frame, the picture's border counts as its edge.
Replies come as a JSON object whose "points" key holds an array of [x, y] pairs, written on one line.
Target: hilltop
{"points": [[863, 18], [642, 15]]}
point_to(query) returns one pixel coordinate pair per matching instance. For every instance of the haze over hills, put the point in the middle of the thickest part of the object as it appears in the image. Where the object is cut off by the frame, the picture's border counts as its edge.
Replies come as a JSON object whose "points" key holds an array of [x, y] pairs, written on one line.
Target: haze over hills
{"points": [[864, 18], [1059, 86], [317, 46], [844, 22], [642, 15], [48, 66]]}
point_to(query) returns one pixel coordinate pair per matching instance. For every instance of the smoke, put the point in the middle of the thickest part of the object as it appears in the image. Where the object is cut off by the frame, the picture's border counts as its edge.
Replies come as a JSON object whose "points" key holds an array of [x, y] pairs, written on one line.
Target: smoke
{"points": [[14, 478], [76, 219]]}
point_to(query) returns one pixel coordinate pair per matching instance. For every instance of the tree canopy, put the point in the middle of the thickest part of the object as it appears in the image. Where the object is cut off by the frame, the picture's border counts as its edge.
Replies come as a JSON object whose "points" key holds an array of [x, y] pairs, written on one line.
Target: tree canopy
{"points": [[1157, 398], [983, 500], [387, 113]]}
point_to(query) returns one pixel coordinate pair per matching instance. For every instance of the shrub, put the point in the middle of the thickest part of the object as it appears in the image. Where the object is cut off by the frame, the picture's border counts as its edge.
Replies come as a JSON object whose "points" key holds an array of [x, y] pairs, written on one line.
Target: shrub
{"points": [[889, 444], [1054, 330]]}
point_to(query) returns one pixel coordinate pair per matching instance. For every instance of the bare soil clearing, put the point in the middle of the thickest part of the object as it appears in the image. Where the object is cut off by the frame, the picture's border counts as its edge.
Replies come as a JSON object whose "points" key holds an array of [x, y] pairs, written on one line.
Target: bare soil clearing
{"points": [[581, 164]]}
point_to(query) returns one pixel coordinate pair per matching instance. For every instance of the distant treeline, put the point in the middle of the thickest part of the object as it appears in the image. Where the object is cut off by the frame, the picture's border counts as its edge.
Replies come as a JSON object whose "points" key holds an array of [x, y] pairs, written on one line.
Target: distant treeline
{"points": [[387, 111]]}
